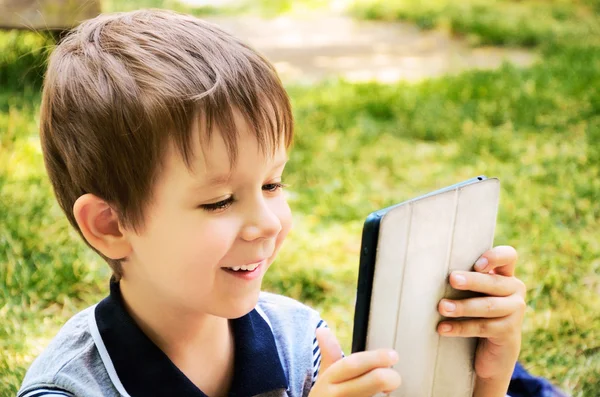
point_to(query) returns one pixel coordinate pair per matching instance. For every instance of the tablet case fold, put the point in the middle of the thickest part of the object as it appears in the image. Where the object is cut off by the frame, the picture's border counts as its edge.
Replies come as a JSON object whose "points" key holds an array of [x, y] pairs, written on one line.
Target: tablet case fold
{"points": [[419, 243]]}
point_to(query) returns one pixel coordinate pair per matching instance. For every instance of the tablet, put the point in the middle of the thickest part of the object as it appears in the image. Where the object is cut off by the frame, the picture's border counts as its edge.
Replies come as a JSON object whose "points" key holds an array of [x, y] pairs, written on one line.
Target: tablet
{"points": [[407, 252]]}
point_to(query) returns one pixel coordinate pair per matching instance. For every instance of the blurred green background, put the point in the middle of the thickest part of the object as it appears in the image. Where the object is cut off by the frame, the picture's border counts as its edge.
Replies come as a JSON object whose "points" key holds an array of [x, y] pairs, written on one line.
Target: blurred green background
{"points": [[359, 147]]}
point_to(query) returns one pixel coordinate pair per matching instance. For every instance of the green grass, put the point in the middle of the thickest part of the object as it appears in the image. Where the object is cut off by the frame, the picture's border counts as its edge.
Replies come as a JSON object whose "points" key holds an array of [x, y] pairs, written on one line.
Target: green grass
{"points": [[360, 147], [501, 22]]}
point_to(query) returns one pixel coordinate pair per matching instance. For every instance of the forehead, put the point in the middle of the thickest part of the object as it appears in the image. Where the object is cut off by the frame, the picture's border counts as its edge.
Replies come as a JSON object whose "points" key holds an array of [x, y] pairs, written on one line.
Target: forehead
{"points": [[215, 160]]}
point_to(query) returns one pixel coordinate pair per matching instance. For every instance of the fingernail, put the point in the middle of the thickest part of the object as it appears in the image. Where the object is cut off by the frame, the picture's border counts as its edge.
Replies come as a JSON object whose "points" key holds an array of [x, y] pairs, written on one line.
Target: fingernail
{"points": [[481, 263], [446, 328], [449, 306], [393, 355], [459, 279]]}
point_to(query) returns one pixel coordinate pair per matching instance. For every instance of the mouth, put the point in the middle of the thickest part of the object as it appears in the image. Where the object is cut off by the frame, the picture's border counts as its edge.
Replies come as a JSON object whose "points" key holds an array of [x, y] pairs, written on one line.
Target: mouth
{"points": [[245, 268], [248, 271]]}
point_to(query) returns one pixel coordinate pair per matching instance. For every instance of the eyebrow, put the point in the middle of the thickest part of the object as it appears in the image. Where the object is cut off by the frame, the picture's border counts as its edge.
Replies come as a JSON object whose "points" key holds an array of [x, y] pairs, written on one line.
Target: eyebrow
{"points": [[223, 179]]}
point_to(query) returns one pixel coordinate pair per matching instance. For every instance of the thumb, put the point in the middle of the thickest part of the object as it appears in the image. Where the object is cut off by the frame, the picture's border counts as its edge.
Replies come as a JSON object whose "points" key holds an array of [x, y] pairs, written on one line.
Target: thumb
{"points": [[331, 351]]}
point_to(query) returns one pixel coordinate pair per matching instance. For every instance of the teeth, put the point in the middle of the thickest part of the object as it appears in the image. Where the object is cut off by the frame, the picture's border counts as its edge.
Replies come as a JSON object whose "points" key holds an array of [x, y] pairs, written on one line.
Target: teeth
{"points": [[244, 267]]}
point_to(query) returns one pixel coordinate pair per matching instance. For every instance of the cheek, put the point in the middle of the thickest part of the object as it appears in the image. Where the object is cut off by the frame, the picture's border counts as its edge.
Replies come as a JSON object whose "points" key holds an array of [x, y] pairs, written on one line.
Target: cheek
{"points": [[191, 242], [209, 242], [285, 217]]}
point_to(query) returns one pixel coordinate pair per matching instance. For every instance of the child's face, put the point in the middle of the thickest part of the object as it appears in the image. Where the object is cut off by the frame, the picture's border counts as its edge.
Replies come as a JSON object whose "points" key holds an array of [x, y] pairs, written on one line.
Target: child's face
{"points": [[180, 258]]}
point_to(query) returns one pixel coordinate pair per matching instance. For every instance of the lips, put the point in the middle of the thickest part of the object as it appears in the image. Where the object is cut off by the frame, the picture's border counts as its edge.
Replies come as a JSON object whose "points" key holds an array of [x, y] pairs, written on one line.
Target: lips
{"points": [[248, 268], [251, 266], [254, 271]]}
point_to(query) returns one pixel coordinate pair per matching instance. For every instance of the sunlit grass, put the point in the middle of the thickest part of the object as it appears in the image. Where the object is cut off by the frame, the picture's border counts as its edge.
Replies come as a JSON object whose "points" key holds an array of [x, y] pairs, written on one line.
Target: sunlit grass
{"points": [[503, 22]]}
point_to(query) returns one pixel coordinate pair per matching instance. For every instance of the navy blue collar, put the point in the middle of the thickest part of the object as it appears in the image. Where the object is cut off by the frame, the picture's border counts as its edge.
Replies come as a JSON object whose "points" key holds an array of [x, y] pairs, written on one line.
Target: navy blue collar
{"points": [[144, 370]]}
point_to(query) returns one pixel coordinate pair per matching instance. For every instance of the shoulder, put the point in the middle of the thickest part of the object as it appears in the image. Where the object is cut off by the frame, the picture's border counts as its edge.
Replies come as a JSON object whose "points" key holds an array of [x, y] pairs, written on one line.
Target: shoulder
{"points": [[294, 325], [69, 366], [282, 311]]}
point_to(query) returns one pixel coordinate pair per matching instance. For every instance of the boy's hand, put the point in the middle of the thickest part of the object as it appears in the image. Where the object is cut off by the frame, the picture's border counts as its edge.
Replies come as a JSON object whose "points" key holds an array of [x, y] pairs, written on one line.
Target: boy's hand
{"points": [[497, 317], [358, 375]]}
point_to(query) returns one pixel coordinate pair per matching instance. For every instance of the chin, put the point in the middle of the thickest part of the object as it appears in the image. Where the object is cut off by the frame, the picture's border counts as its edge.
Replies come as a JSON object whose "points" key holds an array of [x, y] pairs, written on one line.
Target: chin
{"points": [[240, 307]]}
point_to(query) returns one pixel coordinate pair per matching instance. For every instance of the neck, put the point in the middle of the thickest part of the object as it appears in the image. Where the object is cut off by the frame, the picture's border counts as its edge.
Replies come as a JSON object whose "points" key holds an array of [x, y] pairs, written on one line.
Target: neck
{"points": [[170, 328], [193, 341]]}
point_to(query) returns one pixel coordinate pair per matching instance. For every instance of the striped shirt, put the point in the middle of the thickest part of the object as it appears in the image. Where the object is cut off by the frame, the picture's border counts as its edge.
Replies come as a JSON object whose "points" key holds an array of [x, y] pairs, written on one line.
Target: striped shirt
{"points": [[102, 352], [47, 392]]}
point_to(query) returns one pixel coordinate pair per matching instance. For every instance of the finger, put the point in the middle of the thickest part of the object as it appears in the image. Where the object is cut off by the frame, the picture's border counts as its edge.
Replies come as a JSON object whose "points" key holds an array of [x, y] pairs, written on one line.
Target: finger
{"points": [[482, 328], [331, 351], [358, 364], [484, 307], [501, 259], [379, 380], [489, 284]]}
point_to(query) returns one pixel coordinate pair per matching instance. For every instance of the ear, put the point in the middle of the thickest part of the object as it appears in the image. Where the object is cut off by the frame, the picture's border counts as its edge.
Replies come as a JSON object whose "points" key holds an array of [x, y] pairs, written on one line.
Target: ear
{"points": [[101, 227]]}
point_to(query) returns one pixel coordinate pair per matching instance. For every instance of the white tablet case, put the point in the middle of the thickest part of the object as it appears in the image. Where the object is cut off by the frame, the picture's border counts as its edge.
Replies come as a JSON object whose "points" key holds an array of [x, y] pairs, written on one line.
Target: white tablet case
{"points": [[420, 243]]}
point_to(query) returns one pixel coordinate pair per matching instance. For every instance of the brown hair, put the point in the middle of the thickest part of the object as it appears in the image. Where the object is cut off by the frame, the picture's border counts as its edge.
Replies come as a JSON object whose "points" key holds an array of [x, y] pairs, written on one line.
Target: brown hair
{"points": [[120, 87]]}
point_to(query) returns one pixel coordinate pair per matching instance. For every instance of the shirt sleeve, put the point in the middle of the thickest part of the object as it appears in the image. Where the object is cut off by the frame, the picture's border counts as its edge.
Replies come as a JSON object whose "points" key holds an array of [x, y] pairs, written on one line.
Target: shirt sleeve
{"points": [[46, 391], [317, 353]]}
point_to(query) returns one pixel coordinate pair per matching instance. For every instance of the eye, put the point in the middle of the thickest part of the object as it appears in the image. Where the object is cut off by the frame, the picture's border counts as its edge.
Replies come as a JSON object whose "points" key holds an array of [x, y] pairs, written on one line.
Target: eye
{"points": [[219, 205], [273, 187]]}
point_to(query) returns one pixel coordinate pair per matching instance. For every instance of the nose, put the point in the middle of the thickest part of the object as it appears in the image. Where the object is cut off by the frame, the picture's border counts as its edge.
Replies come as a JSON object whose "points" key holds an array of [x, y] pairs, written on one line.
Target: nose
{"points": [[262, 221]]}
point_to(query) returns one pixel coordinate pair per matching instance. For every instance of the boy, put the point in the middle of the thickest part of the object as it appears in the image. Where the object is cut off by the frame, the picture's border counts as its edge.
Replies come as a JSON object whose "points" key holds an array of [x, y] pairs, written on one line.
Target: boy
{"points": [[165, 140]]}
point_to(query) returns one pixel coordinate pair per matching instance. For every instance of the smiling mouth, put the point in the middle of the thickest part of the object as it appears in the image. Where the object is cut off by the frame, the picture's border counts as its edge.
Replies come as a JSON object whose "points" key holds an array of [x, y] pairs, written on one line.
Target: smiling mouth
{"points": [[246, 268]]}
